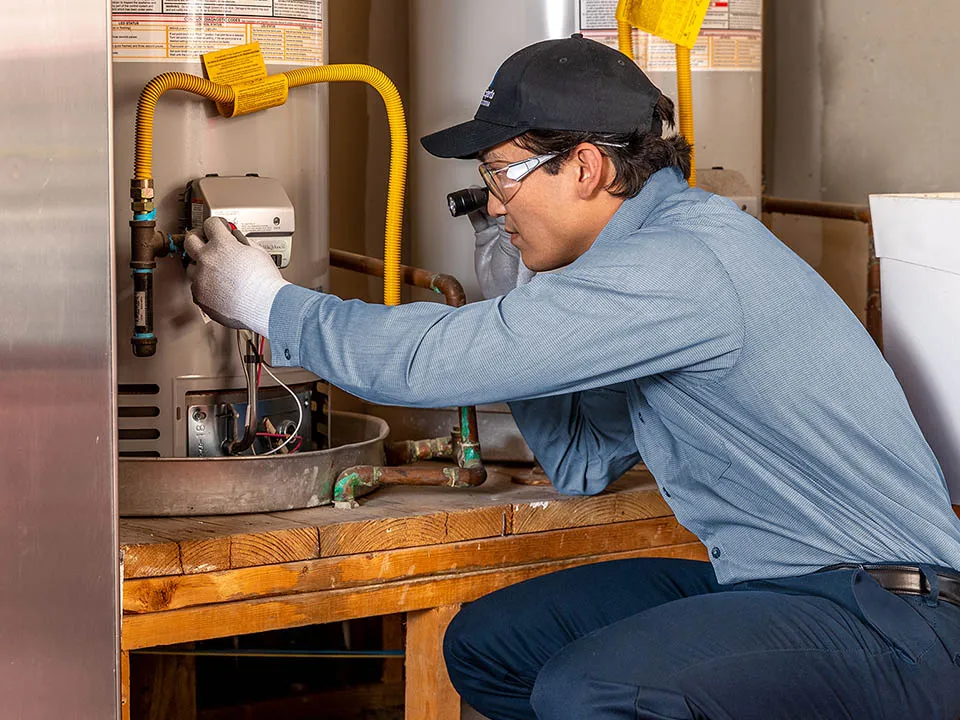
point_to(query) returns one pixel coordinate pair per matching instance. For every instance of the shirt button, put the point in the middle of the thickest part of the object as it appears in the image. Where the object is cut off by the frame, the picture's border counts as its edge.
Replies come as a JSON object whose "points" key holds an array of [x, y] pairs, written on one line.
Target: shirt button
{"points": [[286, 353], [666, 493], [715, 552]]}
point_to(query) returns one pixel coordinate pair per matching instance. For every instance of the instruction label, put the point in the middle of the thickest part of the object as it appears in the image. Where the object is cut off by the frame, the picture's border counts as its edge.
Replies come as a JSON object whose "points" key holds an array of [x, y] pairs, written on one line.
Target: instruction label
{"points": [[730, 38], [243, 68], [289, 31], [677, 21]]}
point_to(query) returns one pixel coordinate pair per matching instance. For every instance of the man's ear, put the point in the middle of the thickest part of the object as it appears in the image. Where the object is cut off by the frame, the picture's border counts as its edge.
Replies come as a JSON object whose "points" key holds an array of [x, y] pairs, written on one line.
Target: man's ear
{"points": [[590, 166]]}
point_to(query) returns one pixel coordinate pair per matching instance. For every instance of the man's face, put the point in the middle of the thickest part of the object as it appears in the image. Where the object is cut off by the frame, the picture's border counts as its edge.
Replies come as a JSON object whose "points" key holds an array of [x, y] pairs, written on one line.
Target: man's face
{"points": [[542, 216]]}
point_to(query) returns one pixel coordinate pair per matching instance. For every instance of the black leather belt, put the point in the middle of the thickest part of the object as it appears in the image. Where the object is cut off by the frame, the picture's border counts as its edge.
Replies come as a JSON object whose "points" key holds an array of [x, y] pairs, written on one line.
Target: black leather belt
{"points": [[909, 580]]}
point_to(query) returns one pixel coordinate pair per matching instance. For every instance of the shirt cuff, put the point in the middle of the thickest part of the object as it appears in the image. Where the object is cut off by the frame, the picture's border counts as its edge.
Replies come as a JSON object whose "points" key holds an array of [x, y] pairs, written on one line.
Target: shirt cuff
{"points": [[287, 313]]}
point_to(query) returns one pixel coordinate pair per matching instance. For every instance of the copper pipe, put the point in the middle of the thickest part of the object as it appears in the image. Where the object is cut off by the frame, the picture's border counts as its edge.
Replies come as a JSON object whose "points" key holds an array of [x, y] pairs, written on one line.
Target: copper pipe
{"points": [[146, 245], [464, 443], [466, 447], [446, 285], [361, 480], [404, 452], [816, 208], [842, 211]]}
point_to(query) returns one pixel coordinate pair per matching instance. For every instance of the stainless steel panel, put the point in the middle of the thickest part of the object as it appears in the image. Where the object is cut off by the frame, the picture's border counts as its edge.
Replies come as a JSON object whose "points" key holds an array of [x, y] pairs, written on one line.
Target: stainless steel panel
{"points": [[59, 584]]}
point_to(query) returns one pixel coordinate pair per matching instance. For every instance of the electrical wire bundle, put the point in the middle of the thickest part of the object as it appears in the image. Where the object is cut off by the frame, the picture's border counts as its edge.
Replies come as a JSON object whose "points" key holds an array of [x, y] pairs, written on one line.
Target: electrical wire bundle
{"points": [[270, 433]]}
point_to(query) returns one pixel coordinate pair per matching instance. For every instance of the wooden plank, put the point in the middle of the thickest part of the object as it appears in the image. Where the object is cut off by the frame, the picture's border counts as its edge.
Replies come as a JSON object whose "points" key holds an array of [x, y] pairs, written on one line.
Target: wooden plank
{"points": [[250, 616], [277, 546], [199, 556], [151, 560], [584, 511], [155, 545], [207, 544], [394, 533], [429, 694], [385, 534], [168, 546], [169, 593], [480, 523]]}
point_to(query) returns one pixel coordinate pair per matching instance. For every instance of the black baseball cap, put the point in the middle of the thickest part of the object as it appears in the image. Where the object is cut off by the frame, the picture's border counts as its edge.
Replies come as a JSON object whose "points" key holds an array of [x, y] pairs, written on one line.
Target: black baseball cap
{"points": [[571, 84]]}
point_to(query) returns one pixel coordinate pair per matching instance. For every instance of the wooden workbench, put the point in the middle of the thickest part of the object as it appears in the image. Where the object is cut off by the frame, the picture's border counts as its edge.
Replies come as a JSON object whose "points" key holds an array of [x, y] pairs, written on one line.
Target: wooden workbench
{"points": [[416, 550]]}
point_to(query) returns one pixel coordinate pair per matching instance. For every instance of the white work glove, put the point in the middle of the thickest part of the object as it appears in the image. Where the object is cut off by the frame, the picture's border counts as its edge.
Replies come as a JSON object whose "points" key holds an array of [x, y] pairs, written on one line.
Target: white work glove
{"points": [[234, 282], [497, 262]]}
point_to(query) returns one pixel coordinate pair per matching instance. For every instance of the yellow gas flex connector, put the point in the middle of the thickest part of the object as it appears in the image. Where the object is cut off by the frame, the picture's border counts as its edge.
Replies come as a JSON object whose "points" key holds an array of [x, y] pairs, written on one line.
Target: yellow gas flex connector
{"points": [[679, 22]]}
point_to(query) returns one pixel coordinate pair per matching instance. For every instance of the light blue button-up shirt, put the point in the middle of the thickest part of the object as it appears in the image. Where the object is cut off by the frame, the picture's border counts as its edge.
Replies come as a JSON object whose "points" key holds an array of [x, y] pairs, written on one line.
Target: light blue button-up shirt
{"points": [[690, 337]]}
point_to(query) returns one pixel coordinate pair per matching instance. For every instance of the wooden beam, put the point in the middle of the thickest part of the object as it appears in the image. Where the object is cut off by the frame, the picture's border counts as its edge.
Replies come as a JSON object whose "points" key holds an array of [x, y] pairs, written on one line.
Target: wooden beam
{"points": [[124, 685], [169, 593], [164, 687], [201, 545], [585, 511], [249, 616], [429, 694], [417, 531], [393, 639]]}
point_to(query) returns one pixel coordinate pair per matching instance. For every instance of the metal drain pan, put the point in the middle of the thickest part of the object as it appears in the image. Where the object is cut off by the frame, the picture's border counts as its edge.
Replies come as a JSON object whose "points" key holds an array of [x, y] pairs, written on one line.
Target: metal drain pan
{"points": [[163, 487]]}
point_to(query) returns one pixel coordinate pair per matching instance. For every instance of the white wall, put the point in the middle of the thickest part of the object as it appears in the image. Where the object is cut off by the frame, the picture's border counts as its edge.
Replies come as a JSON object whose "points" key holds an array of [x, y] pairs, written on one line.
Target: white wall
{"points": [[860, 99]]}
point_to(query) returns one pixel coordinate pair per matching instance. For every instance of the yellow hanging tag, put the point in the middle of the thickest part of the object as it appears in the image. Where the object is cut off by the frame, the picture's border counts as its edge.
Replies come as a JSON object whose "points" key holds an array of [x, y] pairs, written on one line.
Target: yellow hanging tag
{"points": [[243, 68], [678, 21]]}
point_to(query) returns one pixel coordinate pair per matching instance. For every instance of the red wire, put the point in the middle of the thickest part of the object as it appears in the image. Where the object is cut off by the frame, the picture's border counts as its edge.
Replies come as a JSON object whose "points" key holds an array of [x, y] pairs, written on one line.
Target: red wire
{"points": [[280, 435]]}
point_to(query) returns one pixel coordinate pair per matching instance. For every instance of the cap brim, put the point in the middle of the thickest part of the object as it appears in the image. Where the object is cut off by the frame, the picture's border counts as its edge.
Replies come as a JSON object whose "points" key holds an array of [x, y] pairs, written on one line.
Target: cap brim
{"points": [[467, 140]]}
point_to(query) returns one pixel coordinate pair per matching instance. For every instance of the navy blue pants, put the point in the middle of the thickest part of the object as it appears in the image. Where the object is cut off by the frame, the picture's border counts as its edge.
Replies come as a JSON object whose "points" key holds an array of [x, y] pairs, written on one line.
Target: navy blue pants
{"points": [[658, 638]]}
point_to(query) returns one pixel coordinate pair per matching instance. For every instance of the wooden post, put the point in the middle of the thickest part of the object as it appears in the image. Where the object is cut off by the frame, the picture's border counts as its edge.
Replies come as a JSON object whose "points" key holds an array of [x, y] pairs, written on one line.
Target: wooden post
{"points": [[165, 688], [429, 694], [392, 640], [124, 685]]}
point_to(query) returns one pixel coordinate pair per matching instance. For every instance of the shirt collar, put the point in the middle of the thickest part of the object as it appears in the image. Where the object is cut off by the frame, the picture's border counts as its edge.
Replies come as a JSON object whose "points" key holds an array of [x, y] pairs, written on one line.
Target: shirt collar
{"points": [[635, 211]]}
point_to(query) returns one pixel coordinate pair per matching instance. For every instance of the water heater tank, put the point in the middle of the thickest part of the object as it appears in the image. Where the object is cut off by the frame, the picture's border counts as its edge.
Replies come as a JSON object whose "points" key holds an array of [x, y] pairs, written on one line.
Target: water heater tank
{"points": [[195, 359], [456, 47]]}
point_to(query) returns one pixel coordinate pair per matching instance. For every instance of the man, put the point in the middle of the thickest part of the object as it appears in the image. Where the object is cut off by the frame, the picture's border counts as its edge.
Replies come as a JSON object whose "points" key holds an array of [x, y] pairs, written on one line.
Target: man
{"points": [[679, 330]]}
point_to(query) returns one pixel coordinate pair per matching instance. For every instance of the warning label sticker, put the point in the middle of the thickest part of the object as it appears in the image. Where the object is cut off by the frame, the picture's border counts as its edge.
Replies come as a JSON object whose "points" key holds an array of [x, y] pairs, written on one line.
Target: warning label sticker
{"points": [[730, 38], [289, 31]]}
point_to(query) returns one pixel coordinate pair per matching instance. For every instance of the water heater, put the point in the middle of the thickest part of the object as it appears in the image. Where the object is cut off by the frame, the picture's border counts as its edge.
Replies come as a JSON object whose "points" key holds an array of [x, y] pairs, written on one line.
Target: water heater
{"points": [[196, 364]]}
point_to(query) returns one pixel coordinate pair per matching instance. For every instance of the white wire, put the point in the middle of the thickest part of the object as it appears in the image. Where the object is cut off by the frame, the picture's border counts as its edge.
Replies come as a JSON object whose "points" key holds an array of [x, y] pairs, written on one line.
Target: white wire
{"points": [[299, 410]]}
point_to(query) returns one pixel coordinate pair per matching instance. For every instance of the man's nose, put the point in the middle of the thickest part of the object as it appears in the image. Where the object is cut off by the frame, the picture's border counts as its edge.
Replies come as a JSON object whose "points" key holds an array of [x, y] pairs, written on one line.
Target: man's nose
{"points": [[495, 208]]}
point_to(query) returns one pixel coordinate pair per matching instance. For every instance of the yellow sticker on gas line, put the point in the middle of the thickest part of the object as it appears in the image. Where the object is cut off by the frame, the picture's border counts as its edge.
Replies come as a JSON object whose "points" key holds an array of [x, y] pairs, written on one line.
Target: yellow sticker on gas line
{"points": [[678, 21]]}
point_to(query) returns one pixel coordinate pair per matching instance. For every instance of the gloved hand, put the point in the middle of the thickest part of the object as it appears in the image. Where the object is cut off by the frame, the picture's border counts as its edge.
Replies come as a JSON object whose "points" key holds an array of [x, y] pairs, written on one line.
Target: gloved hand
{"points": [[234, 282], [497, 262]]}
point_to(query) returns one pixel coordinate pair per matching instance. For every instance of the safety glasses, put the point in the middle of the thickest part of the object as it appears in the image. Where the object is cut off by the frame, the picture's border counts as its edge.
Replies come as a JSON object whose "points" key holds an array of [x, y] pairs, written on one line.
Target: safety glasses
{"points": [[504, 180]]}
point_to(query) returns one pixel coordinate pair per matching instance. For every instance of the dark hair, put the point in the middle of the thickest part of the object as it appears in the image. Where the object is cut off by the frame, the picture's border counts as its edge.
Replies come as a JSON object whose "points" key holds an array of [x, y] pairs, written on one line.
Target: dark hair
{"points": [[641, 155]]}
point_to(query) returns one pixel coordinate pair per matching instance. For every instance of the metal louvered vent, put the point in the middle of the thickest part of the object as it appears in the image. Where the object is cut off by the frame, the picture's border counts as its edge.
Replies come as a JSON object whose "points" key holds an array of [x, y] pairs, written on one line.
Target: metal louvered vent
{"points": [[138, 412]]}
